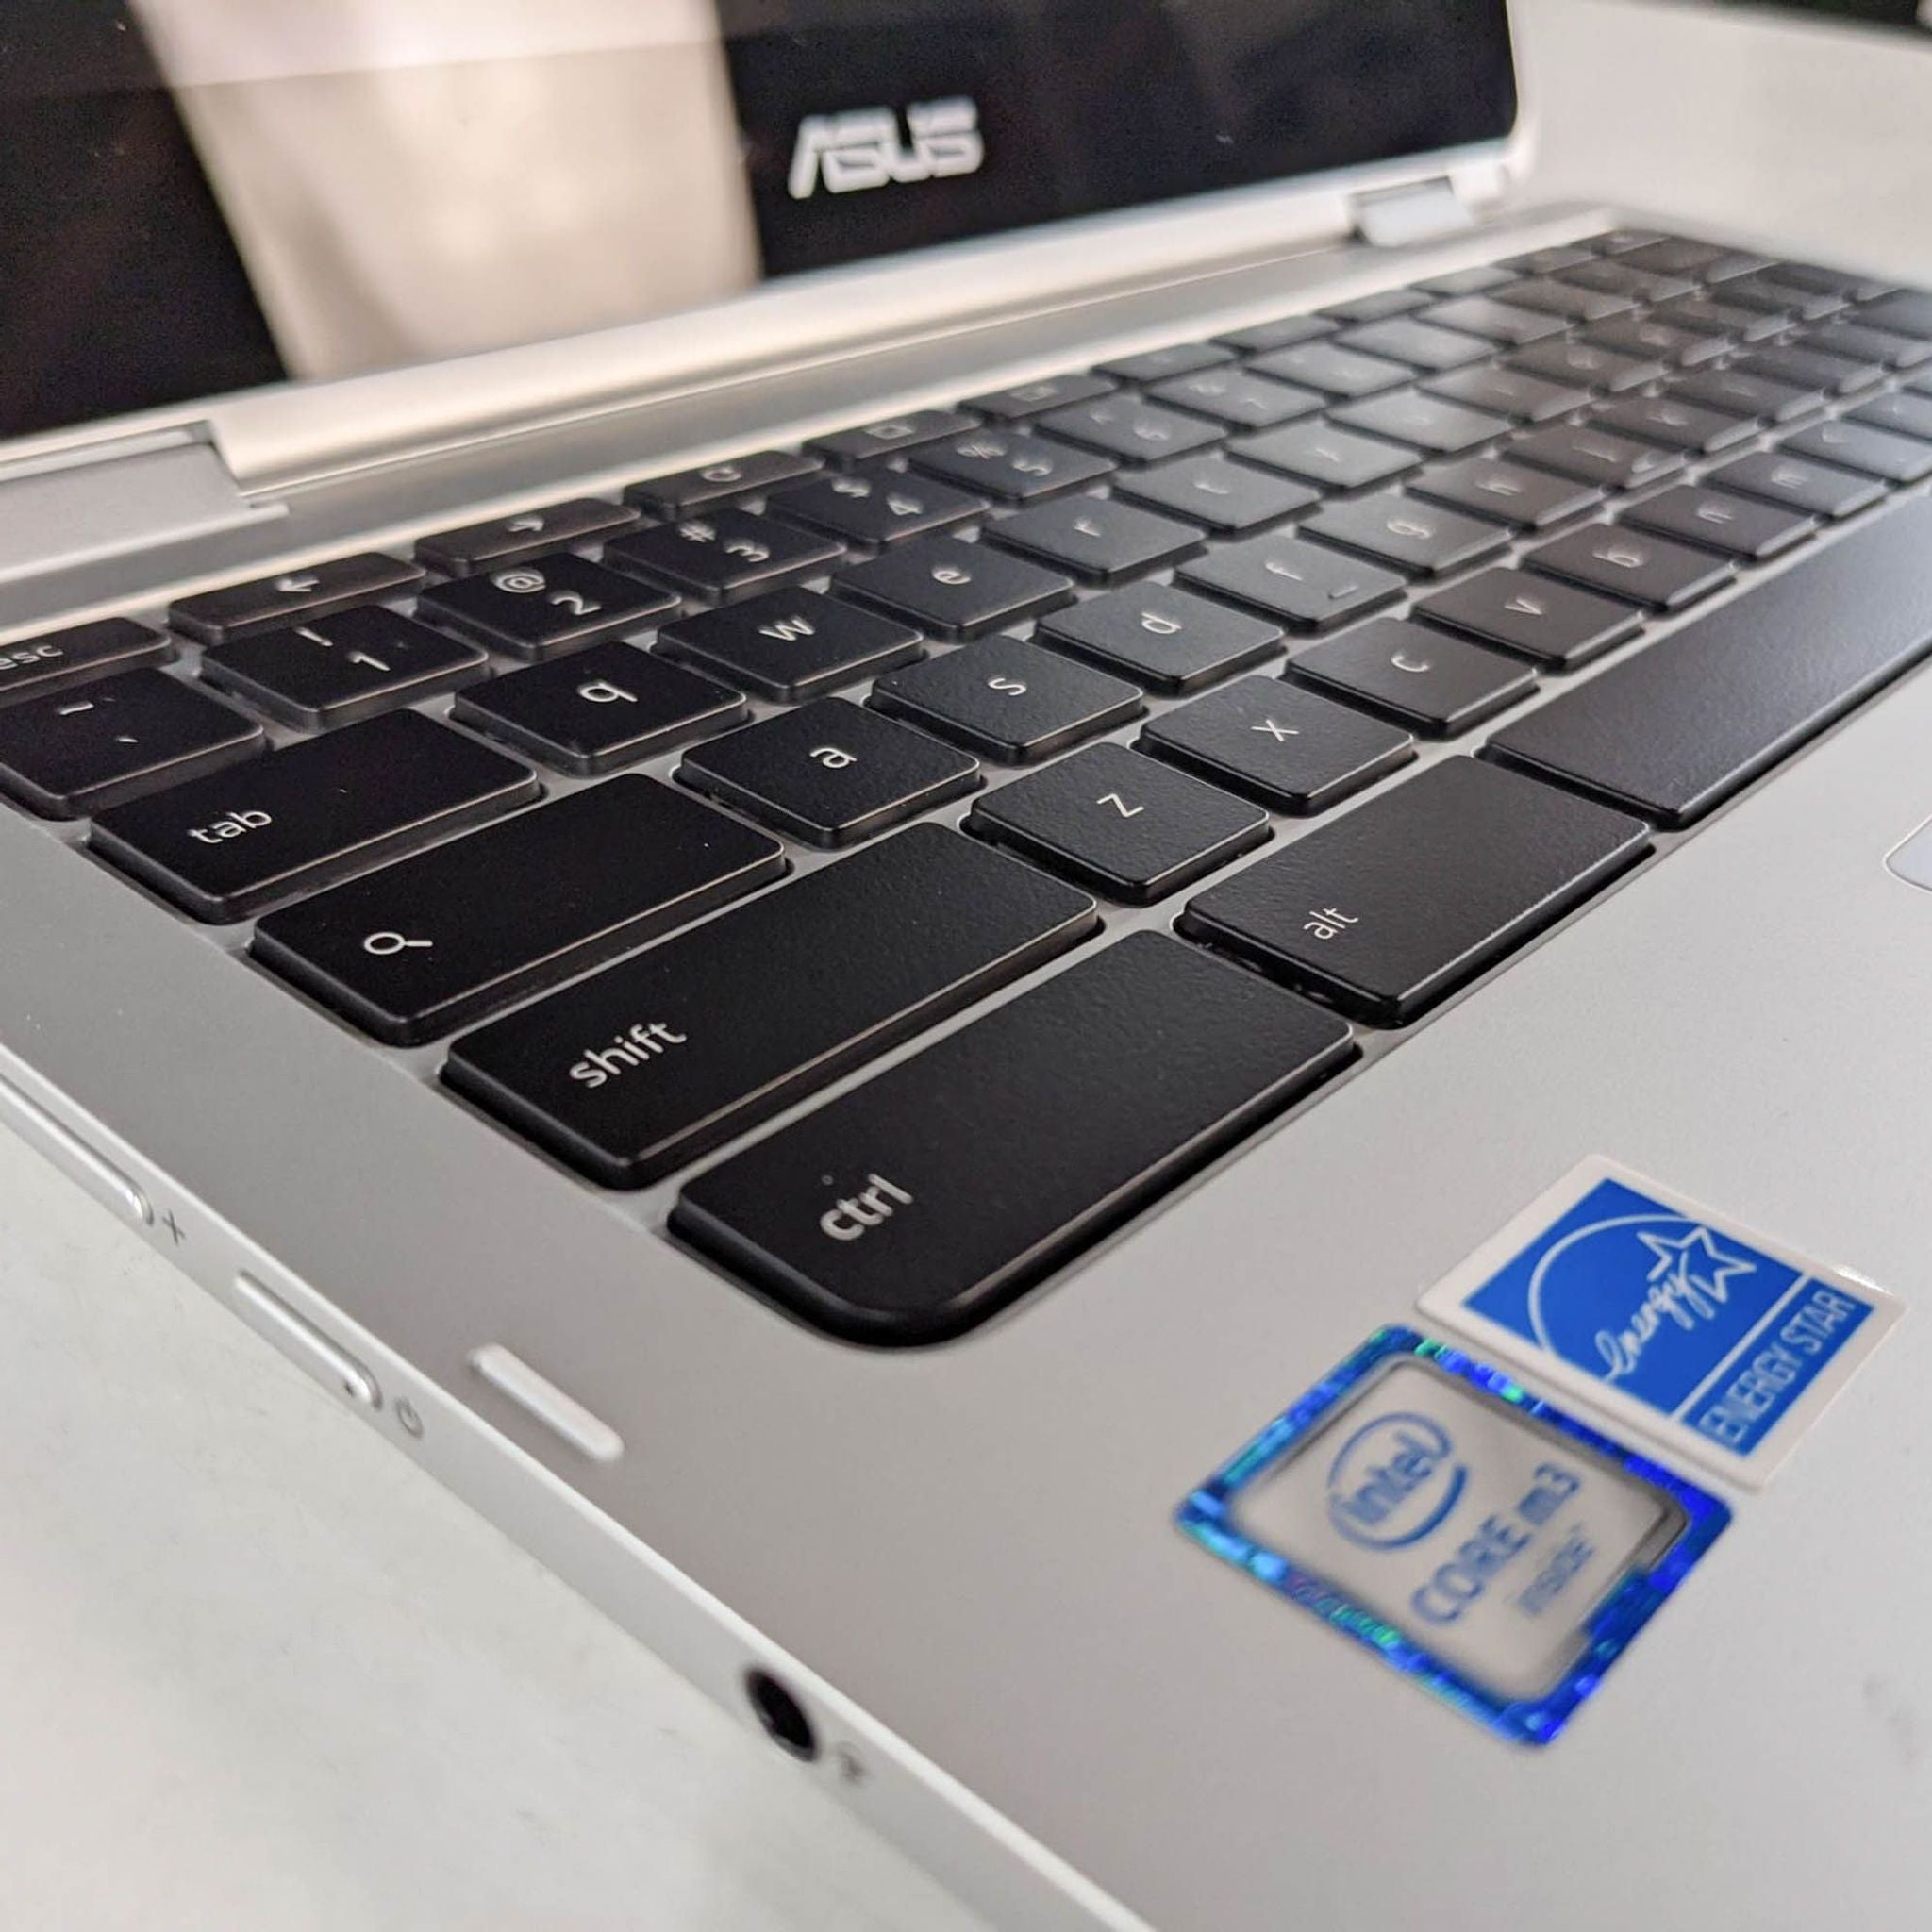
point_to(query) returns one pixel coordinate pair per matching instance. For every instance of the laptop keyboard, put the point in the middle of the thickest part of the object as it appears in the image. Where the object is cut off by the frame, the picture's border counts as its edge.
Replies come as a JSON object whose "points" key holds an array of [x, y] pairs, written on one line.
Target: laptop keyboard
{"points": [[1103, 640]]}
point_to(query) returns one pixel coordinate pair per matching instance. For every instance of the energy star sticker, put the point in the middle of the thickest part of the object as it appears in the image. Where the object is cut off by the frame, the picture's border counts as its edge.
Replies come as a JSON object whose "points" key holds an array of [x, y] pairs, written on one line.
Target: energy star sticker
{"points": [[1693, 1267]]}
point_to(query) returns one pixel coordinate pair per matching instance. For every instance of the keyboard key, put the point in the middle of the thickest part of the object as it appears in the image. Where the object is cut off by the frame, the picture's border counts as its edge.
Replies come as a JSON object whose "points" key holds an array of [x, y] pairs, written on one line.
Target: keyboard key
{"points": [[1278, 744], [337, 669], [655, 1060], [1546, 261], [1633, 566], [1733, 263], [1232, 396], [1862, 344], [1858, 447], [1578, 364], [1427, 679], [724, 554], [527, 533], [603, 708], [1378, 306], [1812, 369], [712, 484], [545, 606], [828, 773], [789, 644], [1163, 638], [1674, 257], [1420, 344], [1388, 909], [1011, 467], [1036, 398], [1805, 275], [1738, 394], [312, 590], [1647, 339], [1227, 498], [952, 590], [1902, 414], [1425, 421], [1546, 621], [1157, 365], [1565, 300], [1590, 454], [877, 509], [917, 429], [1508, 393], [59, 660], [1306, 587], [1674, 422], [1724, 322], [1676, 729], [434, 941], [1261, 338], [1640, 285], [1494, 321], [1332, 370], [1007, 699], [1135, 432], [1820, 489], [1732, 525], [1529, 499], [1321, 453], [1626, 241], [1120, 824], [70, 754], [227, 846], [1784, 305], [1468, 281], [891, 1218], [1097, 541], [1405, 534], [1904, 313]]}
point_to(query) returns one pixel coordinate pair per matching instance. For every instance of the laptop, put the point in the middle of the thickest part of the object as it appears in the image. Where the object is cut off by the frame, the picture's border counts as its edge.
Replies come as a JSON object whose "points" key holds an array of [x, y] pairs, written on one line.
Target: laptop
{"points": [[1088, 927]]}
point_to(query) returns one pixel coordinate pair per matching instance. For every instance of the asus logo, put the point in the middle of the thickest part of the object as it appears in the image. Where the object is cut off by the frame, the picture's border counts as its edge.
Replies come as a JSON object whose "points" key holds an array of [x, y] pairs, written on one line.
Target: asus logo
{"points": [[865, 149]]}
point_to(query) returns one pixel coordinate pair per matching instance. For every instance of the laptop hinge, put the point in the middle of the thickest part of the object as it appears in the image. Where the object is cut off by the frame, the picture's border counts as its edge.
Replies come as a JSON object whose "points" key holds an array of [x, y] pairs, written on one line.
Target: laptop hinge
{"points": [[1418, 212], [67, 508]]}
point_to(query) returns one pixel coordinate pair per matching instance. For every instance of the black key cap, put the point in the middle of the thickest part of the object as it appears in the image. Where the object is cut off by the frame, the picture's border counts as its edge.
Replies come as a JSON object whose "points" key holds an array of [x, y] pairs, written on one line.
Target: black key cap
{"points": [[1378, 306], [310, 590], [1647, 339], [1784, 305], [70, 754], [1333, 370], [877, 509], [1421, 344], [1590, 454], [789, 644], [891, 1218], [1320, 453], [1562, 299], [1833, 282], [1467, 281], [1582, 365], [1135, 432], [1405, 534], [1529, 499], [953, 590], [58, 659], [1674, 257], [917, 429], [1623, 278], [1632, 565], [544, 608], [1738, 394], [1120, 824], [828, 773], [1012, 467], [1232, 396], [1427, 679], [1388, 909], [1261, 338], [337, 669], [1163, 638], [655, 1060], [724, 554], [1858, 447], [1157, 365], [711, 484], [437, 940], [1820, 489], [1904, 313], [1712, 315], [1733, 263], [1306, 587], [1732, 525], [1812, 369], [1863, 344], [1546, 621], [1494, 321], [1036, 398], [1098, 541], [606, 707], [1228, 498], [1902, 414], [1674, 422], [1678, 729], [1278, 744], [1546, 261], [1623, 240], [1007, 699], [1425, 422], [1508, 393], [1920, 385], [525, 533], [227, 846]]}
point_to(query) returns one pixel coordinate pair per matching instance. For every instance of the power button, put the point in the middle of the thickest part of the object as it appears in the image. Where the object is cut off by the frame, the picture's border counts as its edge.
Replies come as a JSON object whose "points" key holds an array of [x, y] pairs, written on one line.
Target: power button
{"points": [[70, 1153]]}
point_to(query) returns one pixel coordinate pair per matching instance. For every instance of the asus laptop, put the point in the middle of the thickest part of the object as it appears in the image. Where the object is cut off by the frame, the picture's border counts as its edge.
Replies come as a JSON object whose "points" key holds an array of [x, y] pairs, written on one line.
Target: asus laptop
{"points": [[1098, 938]]}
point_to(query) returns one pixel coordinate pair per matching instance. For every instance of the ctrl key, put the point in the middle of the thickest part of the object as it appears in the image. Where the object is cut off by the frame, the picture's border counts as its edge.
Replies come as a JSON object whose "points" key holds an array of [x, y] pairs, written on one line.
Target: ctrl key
{"points": [[911, 1208]]}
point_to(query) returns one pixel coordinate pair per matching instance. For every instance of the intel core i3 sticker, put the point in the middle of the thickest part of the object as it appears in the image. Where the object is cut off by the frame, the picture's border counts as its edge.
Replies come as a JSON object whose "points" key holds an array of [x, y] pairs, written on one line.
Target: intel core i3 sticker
{"points": [[1723, 1345], [1467, 1532]]}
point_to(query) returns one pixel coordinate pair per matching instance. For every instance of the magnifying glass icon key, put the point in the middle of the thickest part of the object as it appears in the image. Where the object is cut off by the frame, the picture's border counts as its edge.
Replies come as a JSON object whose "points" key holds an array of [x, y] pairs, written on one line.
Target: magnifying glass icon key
{"points": [[385, 945]]}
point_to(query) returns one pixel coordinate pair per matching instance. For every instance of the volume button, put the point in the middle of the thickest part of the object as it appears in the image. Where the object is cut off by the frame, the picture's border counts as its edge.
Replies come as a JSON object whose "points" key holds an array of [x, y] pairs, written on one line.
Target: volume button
{"points": [[102, 1178], [300, 1337]]}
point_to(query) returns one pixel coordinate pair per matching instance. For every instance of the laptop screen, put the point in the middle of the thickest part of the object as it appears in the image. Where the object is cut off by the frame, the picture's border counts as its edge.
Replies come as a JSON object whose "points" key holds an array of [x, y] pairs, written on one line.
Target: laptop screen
{"points": [[200, 195]]}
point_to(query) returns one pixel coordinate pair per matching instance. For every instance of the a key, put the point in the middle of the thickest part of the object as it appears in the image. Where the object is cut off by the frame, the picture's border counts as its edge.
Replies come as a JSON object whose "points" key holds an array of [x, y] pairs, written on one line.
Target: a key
{"points": [[552, 603], [1467, 281], [1494, 321], [1738, 394], [1429, 680], [1674, 257], [1783, 303], [1733, 263], [1645, 338], [1546, 261], [1678, 729], [73, 753], [59, 660], [653, 1061], [1278, 744], [1427, 423], [1303, 585], [916, 429], [1236, 397], [1732, 525], [1674, 422], [952, 590], [915, 1206], [1378, 306], [1036, 398], [1566, 301], [1712, 315], [1420, 344], [1905, 313], [1502, 392], [1812, 369], [1541, 618], [1904, 413], [1642, 286], [525, 533], [724, 554], [434, 941], [828, 773], [1012, 467], [1805, 275], [337, 669], [1132, 431], [1858, 447], [1390, 907], [1332, 370], [229, 845], [1405, 534], [1096, 540], [1321, 453], [1158, 365], [1230, 499], [1623, 240], [1263, 338], [789, 644], [1632, 565], [1007, 699], [711, 484], [1820, 489], [1120, 824], [1590, 454], [603, 708], [310, 590], [1861, 344], [1161, 637], [1577, 364], [878, 508], [1528, 499]]}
